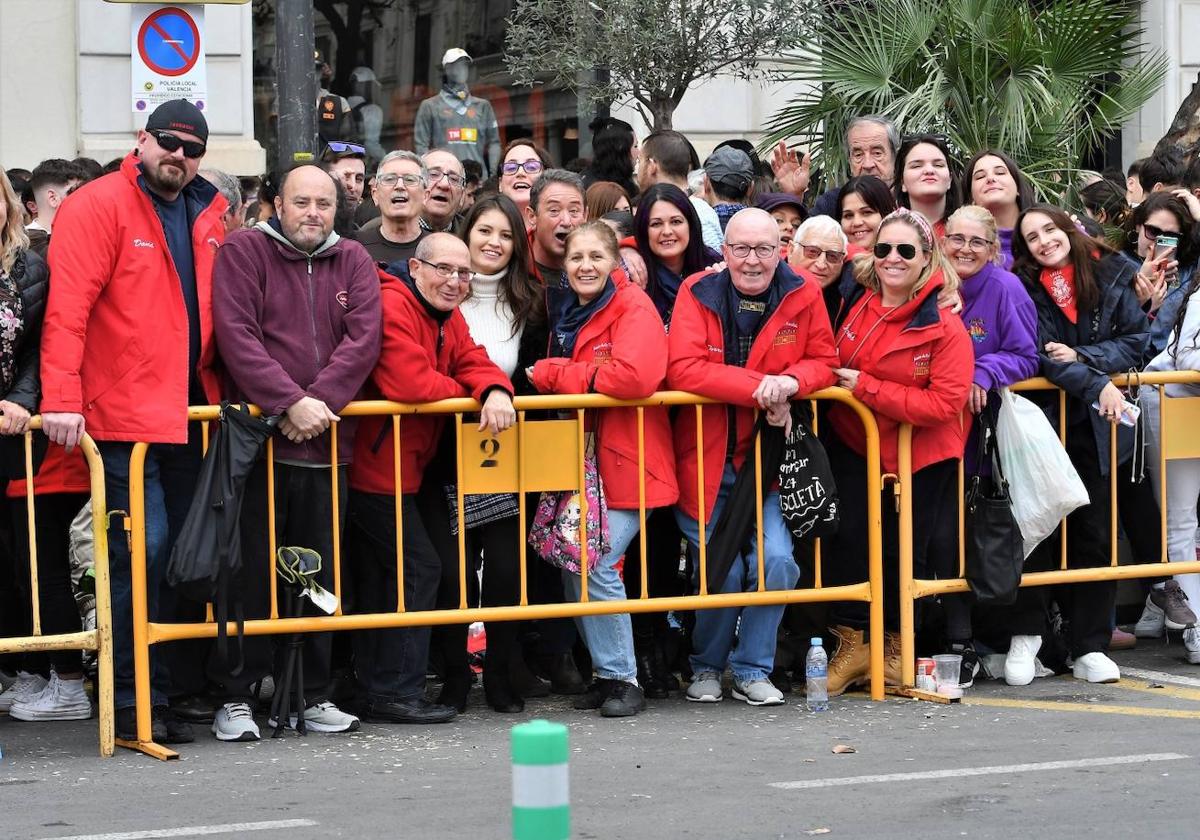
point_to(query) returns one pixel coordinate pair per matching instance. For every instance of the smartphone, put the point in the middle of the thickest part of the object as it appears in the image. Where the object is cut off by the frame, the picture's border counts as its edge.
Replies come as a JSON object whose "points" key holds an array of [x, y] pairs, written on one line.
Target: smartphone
{"points": [[1165, 246], [1129, 414]]}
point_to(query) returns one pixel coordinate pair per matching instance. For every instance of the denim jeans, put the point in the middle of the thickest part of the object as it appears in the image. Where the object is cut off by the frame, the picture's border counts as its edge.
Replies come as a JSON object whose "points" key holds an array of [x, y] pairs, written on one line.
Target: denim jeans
{"points": [[609, 638], [170, 482], [712, 639]]}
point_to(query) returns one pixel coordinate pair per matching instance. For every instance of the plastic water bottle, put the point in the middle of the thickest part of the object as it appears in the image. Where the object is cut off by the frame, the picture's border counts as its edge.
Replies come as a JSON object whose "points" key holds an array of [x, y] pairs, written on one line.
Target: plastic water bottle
{"points": [[816, 674]]}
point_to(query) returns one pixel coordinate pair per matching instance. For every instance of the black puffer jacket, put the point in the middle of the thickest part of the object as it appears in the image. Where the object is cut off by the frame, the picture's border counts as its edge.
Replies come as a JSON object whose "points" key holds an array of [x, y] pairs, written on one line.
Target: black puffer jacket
{"points": [[32, 277]]}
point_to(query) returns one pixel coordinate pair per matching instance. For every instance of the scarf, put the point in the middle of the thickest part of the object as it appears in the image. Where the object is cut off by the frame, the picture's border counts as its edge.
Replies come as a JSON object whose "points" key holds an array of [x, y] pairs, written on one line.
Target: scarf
{"points": [[664, 290], [571, 318], [1059, 283]]}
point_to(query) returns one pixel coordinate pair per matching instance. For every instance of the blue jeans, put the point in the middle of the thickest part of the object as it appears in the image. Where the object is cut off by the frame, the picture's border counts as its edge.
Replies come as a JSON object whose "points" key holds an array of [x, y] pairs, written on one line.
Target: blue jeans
{"points": [[609, 638], [170, 482], [712, 639]]}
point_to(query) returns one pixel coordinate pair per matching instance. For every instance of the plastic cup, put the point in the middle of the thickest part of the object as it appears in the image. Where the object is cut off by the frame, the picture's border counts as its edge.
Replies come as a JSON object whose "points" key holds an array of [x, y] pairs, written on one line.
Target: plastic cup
{"points": [[946, 669]]}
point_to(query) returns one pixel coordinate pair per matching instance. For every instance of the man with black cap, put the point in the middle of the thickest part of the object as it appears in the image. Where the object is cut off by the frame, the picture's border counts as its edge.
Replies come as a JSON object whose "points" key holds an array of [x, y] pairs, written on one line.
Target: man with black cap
{"points": [[728, 176], [126, 342]]}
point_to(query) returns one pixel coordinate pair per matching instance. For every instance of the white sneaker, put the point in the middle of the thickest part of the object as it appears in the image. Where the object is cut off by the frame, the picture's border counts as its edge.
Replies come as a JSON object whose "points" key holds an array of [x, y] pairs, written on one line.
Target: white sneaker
{"points": [[1096, 667], [323, 717], [235, 722], [27, 685], [59, 700], [1153, 622], [705, 688], [757, 693], [1019, 665], [1191, 643]]}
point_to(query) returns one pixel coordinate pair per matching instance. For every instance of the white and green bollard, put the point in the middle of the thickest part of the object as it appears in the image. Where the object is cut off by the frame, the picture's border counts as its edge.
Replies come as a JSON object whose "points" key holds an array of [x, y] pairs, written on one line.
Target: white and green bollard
{"points": [[541, 803]]}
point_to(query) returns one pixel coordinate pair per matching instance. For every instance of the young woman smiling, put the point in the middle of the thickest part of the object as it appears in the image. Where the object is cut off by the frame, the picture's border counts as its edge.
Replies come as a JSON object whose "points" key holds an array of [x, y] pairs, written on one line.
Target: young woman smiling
{"points": [[1089, 326], [861, 206], [909, 361], [994, 182], [669, 239], [926, 181], [521, 164], [608, 338]]}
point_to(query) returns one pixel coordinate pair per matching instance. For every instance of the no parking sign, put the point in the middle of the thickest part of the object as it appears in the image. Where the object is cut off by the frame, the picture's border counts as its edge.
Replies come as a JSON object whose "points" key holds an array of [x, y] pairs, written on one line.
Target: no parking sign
{"points": [[167, 55]]}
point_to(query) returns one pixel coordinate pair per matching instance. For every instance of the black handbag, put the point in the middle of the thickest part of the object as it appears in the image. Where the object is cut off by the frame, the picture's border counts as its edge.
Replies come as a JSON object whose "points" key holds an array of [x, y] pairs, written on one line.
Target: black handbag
{"points": [[995, 549], [808, 496]]}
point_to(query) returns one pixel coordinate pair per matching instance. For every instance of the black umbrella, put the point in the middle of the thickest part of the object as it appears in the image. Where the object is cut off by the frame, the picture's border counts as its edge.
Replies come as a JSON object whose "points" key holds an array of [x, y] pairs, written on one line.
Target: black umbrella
{"points": [[207, 555]]}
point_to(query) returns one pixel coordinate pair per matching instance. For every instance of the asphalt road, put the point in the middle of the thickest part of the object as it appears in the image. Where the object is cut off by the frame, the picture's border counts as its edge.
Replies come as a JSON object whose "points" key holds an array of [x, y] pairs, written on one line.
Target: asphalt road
{"points": [[1059, 757]]}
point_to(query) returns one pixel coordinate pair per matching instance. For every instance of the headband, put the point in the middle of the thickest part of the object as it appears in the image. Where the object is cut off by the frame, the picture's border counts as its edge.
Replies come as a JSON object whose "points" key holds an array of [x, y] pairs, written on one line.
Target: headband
{"points": [[916, 220]]}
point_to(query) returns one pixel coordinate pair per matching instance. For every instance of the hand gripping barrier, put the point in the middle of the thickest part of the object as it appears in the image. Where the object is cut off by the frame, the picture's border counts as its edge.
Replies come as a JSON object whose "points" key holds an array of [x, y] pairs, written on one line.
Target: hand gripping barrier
{"points": [[533, 455], [99, 639], [1177, 423]]}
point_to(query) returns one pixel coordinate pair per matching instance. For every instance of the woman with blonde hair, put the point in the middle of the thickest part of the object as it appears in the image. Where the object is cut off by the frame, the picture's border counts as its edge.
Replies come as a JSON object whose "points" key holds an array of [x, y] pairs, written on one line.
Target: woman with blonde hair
{"points": [[909, 362]]}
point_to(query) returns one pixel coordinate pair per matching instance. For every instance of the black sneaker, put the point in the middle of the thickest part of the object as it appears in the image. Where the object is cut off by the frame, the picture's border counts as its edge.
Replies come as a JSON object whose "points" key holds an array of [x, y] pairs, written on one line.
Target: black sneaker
{"points": [[624, 699], [174, 730], [125, 726], [970, 663], [594, 696]]}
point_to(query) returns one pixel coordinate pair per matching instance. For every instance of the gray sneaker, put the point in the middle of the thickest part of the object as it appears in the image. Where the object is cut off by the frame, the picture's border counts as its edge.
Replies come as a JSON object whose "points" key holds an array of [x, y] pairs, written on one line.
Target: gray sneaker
{"points": [[1174, 604], [757, 693], [705, 688]]}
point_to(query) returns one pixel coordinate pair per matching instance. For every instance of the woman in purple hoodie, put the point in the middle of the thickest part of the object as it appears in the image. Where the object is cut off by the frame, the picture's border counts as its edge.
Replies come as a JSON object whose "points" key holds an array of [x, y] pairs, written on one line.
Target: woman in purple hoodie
{"points": [[1002, 321]]}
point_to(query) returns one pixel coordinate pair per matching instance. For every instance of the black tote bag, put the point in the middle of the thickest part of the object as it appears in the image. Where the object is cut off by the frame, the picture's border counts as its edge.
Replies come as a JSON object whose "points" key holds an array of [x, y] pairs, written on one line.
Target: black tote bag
{"points": [[994, 547]]}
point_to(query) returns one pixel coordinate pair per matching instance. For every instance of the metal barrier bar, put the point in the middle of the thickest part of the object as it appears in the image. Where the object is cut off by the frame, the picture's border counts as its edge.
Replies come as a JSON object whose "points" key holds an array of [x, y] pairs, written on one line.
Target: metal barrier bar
{"points": [[912, 589], [146, 633], [100, 639]]}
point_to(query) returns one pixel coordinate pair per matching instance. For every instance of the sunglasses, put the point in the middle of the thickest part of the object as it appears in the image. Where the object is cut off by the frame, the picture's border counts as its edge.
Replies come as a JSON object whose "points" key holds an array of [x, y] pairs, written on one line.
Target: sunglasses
{"points": [[342, 148], [812, 252], [171, 144], [906, 250], [532, 166], [1154, 231]]}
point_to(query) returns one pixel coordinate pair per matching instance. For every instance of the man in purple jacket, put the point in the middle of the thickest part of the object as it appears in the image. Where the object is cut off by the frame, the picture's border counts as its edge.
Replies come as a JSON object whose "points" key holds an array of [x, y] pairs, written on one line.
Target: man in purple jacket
{"points": [[297, 318]]}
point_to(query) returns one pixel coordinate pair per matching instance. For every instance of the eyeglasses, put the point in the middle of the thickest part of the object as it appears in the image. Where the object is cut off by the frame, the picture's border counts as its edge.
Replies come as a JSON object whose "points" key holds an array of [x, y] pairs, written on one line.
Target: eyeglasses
{"points": [[390, 179], [812, 252], [171, 144], [1154, 231], [533, 166], [763, 252], [906, 250], [341, 148], [453, 179], [975, 243], [448, 271]]}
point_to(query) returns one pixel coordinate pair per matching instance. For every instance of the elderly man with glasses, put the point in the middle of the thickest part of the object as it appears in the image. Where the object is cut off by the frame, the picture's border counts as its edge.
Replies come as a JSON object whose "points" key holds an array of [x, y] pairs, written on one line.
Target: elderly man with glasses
{"points": [[447, 183], [399, 189], [753, 336]]}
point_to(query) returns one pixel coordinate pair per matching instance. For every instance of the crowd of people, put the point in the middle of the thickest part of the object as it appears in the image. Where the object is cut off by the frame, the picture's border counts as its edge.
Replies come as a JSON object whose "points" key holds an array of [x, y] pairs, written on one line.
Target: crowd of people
{"points": [[922, 286]]}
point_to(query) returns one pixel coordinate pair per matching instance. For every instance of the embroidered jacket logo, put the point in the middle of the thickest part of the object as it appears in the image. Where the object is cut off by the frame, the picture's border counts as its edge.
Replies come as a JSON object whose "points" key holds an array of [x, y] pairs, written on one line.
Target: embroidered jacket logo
{"points": [[142, 243]]}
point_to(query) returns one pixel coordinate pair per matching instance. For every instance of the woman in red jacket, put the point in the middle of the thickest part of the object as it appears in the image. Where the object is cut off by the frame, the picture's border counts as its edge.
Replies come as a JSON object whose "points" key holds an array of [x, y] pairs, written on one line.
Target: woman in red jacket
{"points": [[609, 339], [909, 362]]}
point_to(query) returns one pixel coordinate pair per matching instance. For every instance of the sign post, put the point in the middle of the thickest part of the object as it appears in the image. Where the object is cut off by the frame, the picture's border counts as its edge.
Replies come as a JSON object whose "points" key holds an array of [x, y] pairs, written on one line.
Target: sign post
{"points": [[167, 53]]}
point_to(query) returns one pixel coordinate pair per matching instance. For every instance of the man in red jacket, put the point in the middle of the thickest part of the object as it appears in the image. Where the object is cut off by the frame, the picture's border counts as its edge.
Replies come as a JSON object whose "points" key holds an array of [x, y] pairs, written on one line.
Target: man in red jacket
{"points": [[296, 315], [427, 355], [753, 336], [127, 336]]}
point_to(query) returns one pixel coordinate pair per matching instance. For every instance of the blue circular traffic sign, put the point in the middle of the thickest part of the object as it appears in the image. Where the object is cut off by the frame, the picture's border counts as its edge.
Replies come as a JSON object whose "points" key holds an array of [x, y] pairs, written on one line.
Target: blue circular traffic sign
{"points": [[169, 42]]}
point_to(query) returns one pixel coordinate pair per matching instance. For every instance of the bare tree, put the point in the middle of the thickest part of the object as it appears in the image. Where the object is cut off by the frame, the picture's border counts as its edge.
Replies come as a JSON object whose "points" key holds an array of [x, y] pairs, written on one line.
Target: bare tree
{"points": [[648, 51]]}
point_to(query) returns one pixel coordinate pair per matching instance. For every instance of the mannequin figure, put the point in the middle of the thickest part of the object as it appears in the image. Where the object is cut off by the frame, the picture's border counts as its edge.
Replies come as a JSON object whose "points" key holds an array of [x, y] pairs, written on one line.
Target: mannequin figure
{"points": [[453, 120]]}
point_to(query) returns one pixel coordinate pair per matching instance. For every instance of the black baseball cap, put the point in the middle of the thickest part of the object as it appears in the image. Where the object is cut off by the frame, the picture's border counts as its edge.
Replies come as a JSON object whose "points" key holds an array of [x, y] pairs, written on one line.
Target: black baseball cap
{"points": [[179, 115]]}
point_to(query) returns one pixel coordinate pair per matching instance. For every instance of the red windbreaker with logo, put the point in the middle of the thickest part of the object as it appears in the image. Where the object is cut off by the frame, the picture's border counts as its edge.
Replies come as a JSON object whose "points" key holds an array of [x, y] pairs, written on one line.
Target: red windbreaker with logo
{"points": [[115, 336]]}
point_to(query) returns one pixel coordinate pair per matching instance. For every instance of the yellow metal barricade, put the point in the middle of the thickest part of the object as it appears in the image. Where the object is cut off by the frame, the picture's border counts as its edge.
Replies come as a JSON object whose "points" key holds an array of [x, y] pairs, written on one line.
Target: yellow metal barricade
{"points": [[99, 639], [534, 455], [1178, 420]]}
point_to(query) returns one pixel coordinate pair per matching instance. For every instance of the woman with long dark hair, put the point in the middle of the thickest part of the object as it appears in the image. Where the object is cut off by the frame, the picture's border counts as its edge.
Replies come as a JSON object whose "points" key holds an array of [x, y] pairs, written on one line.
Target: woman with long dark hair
{"points": [[1090, 325], [503, 302], [862, 203], [926, 179], [669, 239], [1165, 275], [994, 181], [521, 163]]}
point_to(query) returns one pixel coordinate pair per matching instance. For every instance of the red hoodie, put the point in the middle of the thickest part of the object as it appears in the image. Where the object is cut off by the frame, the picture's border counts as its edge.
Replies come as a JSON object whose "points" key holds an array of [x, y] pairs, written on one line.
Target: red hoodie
{"points": [[794, 340], [621, 351], [915, 366], [421, 360]]}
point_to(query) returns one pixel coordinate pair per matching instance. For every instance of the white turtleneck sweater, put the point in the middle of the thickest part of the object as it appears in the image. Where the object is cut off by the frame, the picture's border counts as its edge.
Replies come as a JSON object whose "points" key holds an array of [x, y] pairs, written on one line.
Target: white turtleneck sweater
{"points": [[491, 321]]}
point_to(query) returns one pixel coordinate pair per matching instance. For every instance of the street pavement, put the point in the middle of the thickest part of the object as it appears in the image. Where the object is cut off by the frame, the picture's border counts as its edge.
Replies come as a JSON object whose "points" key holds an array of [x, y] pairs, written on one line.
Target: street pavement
{"points": [[1059, 758]]}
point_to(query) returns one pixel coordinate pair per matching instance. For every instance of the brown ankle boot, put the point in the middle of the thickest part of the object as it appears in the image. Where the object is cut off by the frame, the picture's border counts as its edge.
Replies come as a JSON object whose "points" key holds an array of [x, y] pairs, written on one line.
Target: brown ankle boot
{"points": [[892, 672], [851, 664]]}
